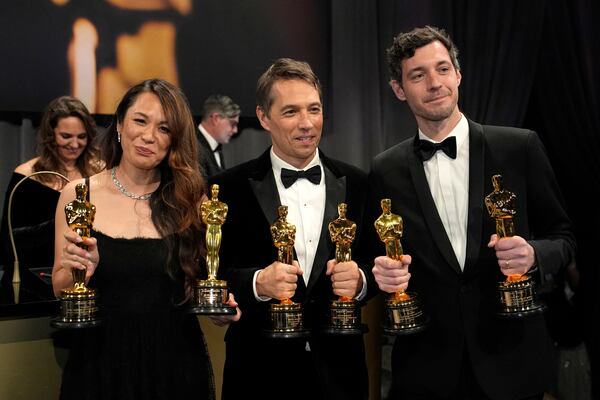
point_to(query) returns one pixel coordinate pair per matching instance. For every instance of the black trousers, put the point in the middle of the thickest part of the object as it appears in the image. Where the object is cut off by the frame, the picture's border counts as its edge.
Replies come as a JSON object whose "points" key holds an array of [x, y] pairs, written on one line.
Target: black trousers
{"points": [[468, 388]]}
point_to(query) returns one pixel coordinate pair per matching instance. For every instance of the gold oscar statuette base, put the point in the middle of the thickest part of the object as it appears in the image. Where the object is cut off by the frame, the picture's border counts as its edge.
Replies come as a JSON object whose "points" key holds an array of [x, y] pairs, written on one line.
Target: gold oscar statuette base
{"points": [[517, 298], [345, 318], [286, 321], [78, 309], [404, 314], [210, 298]]}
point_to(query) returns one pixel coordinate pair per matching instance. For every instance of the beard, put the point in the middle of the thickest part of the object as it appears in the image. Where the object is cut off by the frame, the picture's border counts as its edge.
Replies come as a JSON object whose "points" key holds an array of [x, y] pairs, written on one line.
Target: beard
{"points": [[435, 113]]}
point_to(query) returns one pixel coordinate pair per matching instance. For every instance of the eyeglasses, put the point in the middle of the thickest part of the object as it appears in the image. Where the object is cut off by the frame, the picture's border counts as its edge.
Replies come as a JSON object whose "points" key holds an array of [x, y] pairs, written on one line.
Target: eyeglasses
{"points": [[233, 121]]}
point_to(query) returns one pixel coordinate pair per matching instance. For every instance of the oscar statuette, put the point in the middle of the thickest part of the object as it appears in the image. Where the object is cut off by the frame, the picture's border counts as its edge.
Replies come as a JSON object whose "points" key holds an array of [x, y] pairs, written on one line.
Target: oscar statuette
{"points": [[345, 315], [404, 310], [210, 295], [285, 317], [78, 307], [516, 294]]}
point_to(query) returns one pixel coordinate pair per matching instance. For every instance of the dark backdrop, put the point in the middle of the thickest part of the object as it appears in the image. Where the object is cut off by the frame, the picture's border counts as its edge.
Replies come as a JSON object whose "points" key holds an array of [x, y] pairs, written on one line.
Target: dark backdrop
{"points": [[221, 46]]}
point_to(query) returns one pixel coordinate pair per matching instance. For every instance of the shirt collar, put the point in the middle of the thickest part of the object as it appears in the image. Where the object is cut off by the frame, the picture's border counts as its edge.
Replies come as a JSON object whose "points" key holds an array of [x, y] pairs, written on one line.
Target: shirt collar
{"points": [[277, 163], [211, 140], [461, 131]]}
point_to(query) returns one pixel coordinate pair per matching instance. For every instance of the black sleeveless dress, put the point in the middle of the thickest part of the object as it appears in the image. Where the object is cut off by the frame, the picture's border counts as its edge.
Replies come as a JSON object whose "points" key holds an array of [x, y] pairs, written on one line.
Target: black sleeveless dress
{"points": [[148, 347], [33, 208]]}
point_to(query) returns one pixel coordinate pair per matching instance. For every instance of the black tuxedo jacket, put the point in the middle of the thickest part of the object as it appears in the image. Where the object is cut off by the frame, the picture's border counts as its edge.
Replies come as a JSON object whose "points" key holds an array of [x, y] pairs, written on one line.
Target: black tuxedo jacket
{"points": [[511, 359], [282, 368], [208, 162]]}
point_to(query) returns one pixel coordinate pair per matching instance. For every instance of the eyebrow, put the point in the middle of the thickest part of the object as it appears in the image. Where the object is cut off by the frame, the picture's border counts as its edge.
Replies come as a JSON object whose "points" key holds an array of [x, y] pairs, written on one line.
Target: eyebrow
{"points": [[146, 116], [69, 133], [294, 105], [420, 68]]}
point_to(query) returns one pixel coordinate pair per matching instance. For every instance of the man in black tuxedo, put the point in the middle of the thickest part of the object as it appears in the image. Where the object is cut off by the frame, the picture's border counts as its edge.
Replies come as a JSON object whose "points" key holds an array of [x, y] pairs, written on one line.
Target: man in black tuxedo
{"points": [[321, 367], [220, 118], [455, 257]]}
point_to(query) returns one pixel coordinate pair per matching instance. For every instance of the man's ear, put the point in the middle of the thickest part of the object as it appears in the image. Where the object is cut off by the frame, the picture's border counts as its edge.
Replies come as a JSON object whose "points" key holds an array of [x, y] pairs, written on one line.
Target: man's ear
{"points": [[263, 118], [397, 89], [214, 117]]}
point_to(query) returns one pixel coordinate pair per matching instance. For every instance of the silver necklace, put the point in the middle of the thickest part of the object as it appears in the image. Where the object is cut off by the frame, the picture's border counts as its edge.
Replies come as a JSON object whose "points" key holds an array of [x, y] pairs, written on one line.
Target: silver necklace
{"points": [[122, 189]]}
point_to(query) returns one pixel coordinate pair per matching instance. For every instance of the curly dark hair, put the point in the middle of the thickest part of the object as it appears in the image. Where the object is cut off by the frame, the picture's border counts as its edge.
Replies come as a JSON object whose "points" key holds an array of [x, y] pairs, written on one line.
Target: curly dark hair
{"points": [[87, 163], [175, 204], [406, 43]]}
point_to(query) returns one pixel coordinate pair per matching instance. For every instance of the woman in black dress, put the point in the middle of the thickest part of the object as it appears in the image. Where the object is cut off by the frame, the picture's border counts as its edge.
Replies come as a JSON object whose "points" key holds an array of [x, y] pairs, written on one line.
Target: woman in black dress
{"points": [[143, 257], [65, 145]]}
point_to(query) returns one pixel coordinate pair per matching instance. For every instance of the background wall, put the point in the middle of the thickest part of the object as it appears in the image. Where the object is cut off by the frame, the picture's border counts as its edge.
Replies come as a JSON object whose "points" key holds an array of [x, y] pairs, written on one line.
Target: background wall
{"points": [[32, 362]]}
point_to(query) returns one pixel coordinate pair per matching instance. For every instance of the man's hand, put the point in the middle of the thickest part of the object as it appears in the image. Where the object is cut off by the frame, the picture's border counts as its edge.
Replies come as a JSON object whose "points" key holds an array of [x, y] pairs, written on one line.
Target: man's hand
{"points": [[278, 280], [515, 255], [346, 279], [391, 275]]}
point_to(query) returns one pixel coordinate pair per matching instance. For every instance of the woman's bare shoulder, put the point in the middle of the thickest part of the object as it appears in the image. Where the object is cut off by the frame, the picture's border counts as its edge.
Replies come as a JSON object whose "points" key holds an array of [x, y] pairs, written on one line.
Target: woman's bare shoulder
{"points": [[99, 181], [27, 167]]}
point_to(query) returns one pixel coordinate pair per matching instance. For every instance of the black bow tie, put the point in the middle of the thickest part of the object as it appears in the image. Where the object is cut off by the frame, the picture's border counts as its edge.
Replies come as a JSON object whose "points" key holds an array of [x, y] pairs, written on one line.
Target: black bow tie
{"points": [[218, 148], [288, 176], [426, 149]]}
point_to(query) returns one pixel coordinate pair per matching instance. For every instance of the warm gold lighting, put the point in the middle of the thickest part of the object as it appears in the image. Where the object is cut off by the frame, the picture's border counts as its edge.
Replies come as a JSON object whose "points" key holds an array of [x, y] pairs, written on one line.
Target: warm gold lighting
{"points": [[184, 7], [148, 54], [81, 56]]}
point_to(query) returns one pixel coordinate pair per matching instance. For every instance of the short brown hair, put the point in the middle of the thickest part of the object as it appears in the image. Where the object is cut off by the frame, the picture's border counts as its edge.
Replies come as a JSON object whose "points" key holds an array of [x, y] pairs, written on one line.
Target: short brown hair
{"points": [[220, 104], [406, 43], [283, 69]]}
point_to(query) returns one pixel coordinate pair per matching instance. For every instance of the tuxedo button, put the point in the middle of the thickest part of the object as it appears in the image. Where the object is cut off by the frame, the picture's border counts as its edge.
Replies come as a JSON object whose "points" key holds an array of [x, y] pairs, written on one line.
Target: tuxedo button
{"points": [[464, 288]]}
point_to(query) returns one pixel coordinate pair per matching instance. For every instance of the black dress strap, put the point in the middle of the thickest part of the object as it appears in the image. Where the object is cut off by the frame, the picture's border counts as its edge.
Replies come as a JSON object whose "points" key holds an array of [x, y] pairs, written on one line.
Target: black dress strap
{"points": [[87, 184]]}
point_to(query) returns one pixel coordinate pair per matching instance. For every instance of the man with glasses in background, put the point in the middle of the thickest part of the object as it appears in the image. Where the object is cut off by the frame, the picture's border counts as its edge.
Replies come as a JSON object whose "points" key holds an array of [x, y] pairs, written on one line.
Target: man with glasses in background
{"points": [[220, 118]]}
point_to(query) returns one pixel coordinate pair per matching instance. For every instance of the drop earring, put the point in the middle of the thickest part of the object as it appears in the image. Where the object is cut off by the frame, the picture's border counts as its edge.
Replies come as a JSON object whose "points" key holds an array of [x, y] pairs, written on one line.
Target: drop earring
{"points": [[118, 136]]}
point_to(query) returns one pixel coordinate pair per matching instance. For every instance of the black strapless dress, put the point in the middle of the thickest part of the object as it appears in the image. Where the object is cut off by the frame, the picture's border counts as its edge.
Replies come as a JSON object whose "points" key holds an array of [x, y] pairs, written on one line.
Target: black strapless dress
{"points": [[148, 347], [33, 209]]}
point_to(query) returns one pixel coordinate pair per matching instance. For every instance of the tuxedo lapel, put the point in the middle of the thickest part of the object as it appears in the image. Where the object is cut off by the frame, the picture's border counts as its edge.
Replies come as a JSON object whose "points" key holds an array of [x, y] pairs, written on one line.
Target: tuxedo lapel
{"points": [[432, 217], [262, 182], [263, 185], [207, 156], [335, 192], [476, 196]]}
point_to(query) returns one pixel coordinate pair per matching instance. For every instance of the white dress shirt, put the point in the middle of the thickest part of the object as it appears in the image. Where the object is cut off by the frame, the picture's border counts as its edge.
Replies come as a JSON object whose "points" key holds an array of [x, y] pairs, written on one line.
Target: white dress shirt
{"points": [[448, 181], [306, 207], [211, 142]]}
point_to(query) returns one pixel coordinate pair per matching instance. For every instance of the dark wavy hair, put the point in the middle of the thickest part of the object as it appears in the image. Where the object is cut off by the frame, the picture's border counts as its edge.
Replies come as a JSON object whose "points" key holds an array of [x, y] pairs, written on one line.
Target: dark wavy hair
{"points": [[283, 69], [406, 43], [175, 204], [87, 163]]}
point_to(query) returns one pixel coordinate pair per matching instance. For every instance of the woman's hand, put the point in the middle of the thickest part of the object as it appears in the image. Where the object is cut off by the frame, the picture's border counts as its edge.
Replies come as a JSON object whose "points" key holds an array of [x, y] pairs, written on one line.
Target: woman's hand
{"points": [[76, 256], [223, 320]]}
